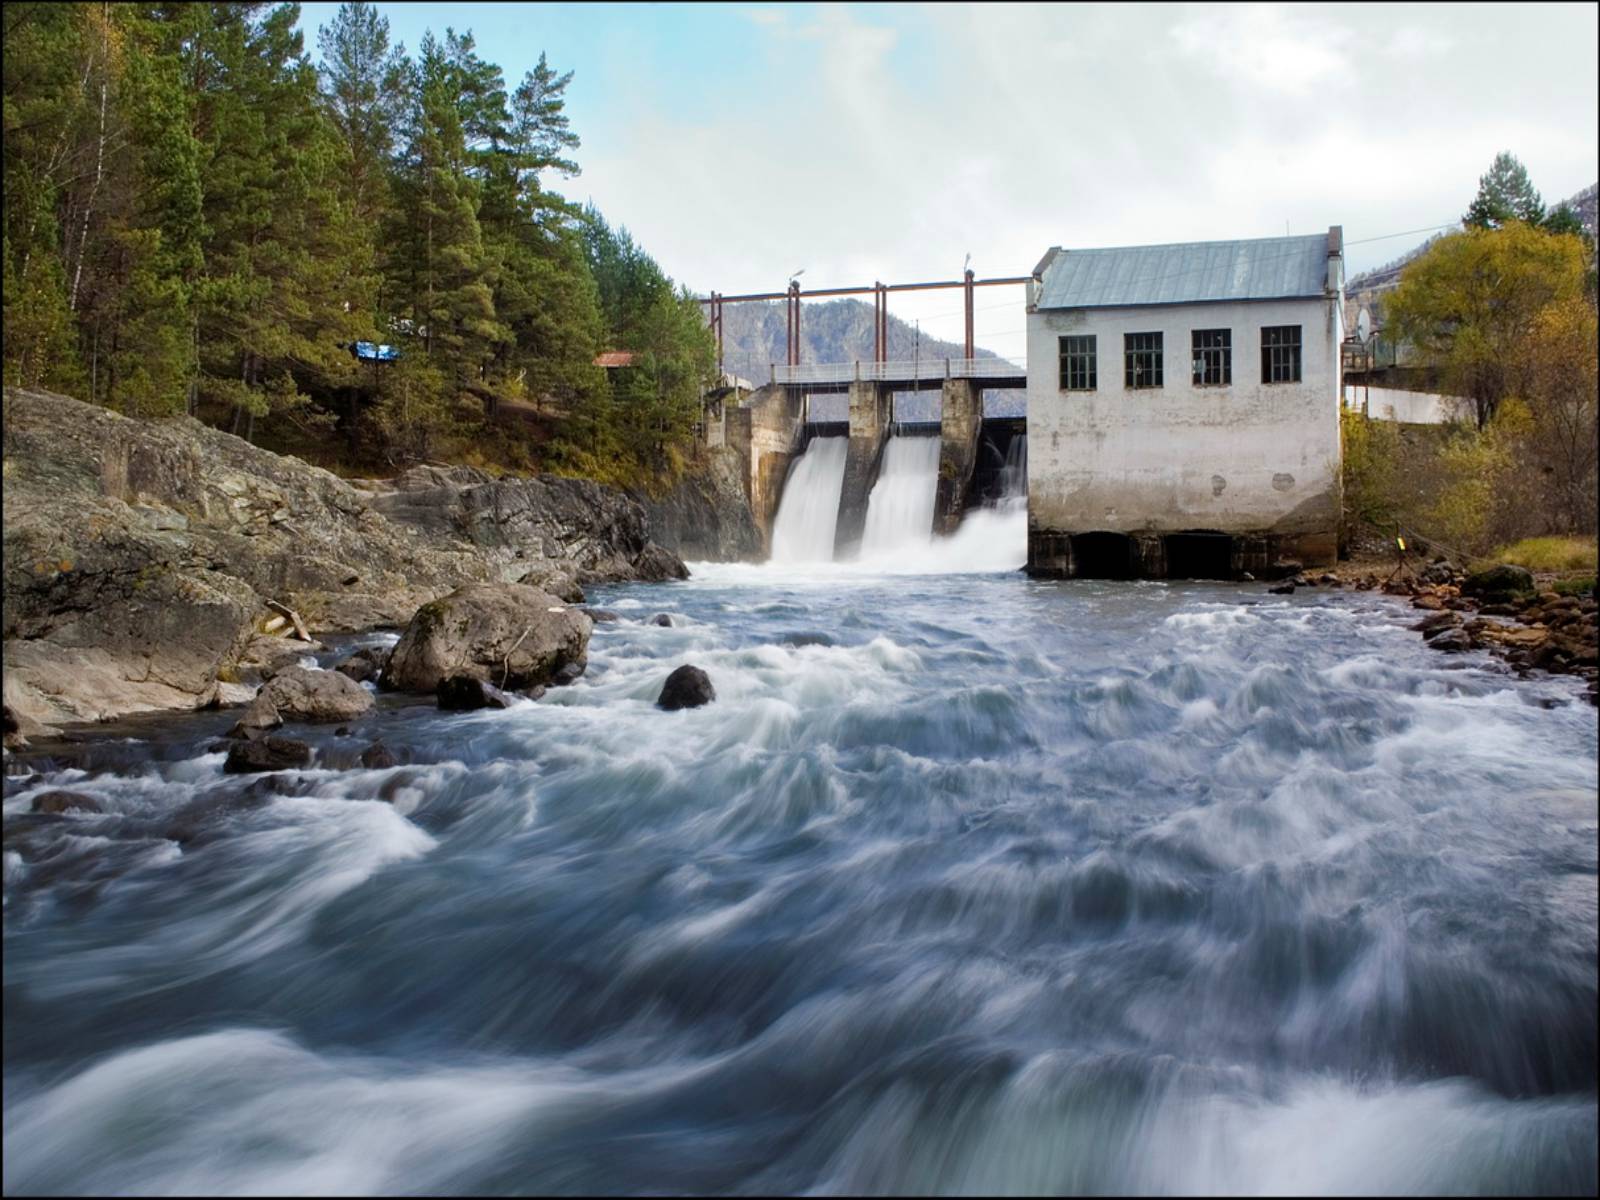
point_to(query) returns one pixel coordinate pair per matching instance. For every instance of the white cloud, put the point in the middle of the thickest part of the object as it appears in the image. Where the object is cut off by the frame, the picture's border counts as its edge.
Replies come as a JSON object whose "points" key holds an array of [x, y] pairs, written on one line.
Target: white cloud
{"points": [[889, 144]]}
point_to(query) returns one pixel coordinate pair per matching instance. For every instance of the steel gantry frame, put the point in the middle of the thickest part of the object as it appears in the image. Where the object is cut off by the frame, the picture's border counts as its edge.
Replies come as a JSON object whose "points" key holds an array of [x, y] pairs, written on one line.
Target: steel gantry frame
{"points": [[880, 307]]}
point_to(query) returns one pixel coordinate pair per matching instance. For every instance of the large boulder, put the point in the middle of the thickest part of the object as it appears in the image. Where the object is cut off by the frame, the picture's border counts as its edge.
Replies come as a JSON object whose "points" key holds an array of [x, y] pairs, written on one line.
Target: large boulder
{"points": [[1498, 584], [303, 694], [508, 634]]}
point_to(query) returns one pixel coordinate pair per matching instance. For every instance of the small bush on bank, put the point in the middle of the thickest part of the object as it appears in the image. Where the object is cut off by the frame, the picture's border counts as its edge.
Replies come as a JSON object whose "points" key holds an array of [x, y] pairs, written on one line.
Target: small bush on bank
{"points": [[1578, 585]]}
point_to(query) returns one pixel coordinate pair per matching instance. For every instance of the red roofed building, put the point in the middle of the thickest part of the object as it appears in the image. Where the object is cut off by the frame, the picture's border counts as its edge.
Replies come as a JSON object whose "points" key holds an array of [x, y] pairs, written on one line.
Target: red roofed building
{"points": [[614, 358]]}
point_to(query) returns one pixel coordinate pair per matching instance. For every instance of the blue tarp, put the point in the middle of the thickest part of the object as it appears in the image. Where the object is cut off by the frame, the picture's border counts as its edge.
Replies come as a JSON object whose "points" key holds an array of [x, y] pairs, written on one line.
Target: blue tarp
{"points": [[373, 352]]}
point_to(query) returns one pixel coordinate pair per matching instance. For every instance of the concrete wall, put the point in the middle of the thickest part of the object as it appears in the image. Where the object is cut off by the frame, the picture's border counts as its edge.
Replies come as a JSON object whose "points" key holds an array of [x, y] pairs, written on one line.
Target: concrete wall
{"points": [[766, 431], [1411, 408], [870, 406], [960, 418], [1245, 459]]}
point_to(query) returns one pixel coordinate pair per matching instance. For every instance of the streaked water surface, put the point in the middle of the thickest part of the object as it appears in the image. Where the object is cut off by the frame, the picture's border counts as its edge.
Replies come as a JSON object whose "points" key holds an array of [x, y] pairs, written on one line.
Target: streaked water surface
{"points": [[1007, 887]]}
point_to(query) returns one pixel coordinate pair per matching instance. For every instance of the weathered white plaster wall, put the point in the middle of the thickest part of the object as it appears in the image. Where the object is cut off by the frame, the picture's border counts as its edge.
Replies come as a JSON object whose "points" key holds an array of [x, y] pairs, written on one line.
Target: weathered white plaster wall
{"points": [[1246, 457]]}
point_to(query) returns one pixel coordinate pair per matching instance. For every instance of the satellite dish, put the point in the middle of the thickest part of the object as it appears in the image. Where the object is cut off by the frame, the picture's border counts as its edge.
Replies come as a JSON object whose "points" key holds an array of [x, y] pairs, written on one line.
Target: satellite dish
{"points": [[1363, 324]]}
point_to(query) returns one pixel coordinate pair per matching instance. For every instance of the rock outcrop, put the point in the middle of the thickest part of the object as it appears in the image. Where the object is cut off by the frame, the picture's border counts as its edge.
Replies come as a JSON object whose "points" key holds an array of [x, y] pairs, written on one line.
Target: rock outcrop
{"points": [[140, 555], [507, 634], [706, 516]]}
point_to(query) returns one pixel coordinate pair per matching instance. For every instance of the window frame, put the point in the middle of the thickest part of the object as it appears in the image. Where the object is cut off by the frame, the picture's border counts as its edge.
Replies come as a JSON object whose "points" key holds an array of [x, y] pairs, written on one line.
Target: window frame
{"points": [[1086, 361], [1212, 350], [1153, 352], [1282, 360]]}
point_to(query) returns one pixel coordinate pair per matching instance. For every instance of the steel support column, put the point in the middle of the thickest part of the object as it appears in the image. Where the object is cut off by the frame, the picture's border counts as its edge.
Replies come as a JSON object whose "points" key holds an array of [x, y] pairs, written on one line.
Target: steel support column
{"points": [[967, 291]]}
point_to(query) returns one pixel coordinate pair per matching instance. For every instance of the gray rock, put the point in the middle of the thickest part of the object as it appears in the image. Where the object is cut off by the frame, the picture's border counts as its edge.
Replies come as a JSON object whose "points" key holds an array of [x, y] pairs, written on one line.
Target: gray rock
{"points": [[364, 664], [601, 616], [513, 635], [302, 694], [661, 619], [464, 693], [687, 687], [1450, 640], [807, 639], [1283, 589], [567, 673], [260, 715], [557, 579], [267, 754]]}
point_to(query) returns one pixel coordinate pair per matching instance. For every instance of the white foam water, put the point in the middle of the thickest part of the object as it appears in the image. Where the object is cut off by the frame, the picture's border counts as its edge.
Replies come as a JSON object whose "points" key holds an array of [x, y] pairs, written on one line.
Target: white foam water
{"points": [[808, 510], [900, 509]]}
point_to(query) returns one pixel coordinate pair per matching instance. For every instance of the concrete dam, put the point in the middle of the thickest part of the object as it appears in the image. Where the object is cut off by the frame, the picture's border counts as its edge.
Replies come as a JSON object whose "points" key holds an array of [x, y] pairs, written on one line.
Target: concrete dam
{"points": [[870, 488]]}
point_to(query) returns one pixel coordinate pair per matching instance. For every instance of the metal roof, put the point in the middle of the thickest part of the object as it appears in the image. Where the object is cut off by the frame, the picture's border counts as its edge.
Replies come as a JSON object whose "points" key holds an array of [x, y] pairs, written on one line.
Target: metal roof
{"points": [[1187, 272]]}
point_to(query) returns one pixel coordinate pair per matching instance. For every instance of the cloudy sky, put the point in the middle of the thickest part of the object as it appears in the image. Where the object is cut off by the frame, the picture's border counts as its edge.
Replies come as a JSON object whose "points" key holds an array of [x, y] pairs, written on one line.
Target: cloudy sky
{"points": [[861, 142]]}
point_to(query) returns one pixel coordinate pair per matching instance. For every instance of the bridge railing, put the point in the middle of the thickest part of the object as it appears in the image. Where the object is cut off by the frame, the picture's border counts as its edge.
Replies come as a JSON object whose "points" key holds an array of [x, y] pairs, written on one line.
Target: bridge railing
{"points": [[924, 368]]}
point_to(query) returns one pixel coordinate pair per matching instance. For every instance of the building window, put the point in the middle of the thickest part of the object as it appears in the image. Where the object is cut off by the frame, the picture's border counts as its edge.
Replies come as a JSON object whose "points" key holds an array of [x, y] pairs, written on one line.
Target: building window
{"points": [[1078, 373], [1141, 360], [1213, 357], [1280, 354]]}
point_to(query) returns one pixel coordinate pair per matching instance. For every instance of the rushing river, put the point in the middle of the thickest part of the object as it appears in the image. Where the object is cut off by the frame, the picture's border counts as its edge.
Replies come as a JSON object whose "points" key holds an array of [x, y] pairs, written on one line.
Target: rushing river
{"points": [[1007, 887]]}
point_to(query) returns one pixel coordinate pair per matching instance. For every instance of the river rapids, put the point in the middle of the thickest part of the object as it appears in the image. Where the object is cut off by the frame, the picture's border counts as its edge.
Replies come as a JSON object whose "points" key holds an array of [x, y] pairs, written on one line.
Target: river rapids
{"points": [[964, 883]]}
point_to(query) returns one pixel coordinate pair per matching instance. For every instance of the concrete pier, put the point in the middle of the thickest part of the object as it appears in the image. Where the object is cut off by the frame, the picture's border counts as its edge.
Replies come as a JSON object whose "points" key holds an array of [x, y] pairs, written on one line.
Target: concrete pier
{"points": [[960, 419], [870, 405], [766, 430]]}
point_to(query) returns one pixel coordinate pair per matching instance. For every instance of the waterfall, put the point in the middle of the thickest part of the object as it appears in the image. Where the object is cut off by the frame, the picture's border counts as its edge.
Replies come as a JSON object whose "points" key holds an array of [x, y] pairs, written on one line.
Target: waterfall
{"points": [[808, 510], [900, 509], [1014, 475]]}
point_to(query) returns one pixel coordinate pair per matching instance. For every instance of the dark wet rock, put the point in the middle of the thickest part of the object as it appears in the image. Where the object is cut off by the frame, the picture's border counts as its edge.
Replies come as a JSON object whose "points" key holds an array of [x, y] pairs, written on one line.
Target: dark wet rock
{"points": [[1283, 589], [514, 635], [1439, 620], [687, 687], [267, 754], [63, 801], [1499, 584], [567, 673], [465, 693], [656, 564], [601, 616], [1450, 640], [807, 639], [377, 757], [303, 694], [536, 692], [364, 664], [342, 731], [661, 619], [279, 784]]}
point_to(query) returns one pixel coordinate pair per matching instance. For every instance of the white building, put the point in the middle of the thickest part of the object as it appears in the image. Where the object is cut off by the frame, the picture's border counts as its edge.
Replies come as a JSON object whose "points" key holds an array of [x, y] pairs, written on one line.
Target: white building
{"points": [[1183, 408]]}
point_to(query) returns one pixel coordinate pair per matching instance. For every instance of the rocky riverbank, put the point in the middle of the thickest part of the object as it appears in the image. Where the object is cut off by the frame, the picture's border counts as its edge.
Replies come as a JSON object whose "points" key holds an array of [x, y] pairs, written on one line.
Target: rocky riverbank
{"points": [[155, 565], [1503, 610]]}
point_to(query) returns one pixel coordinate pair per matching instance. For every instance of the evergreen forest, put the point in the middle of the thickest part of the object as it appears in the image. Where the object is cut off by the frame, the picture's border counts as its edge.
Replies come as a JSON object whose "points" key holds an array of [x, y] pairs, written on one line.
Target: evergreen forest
{"points": [[202, 218]]}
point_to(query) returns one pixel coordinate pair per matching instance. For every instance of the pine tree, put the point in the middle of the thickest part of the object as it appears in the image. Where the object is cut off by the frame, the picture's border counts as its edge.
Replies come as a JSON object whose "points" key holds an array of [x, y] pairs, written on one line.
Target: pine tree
{"points": [[1505, 193]]}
